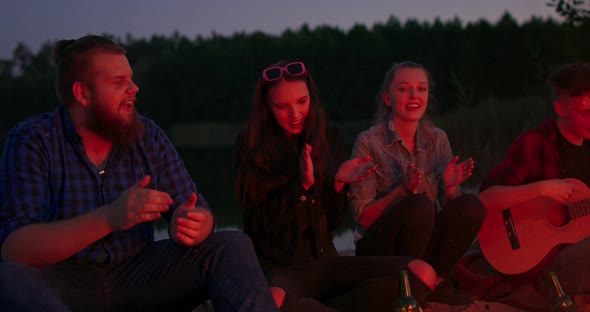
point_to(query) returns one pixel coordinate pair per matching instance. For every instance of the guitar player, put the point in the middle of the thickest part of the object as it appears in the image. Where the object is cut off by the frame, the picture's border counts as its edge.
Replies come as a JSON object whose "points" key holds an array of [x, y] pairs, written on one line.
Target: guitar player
{"points": [[536, 166]]}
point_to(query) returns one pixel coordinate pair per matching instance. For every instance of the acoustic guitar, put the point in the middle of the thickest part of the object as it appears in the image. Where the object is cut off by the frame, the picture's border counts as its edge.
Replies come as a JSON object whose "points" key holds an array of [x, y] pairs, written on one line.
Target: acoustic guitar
{"points": [[516, 239]]}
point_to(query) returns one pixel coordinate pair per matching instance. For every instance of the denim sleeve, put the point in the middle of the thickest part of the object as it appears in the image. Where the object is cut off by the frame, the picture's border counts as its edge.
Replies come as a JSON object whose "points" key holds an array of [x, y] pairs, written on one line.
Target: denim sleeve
{"points": [[23, 183], [364, 192], [445, 149], [444, 155]]}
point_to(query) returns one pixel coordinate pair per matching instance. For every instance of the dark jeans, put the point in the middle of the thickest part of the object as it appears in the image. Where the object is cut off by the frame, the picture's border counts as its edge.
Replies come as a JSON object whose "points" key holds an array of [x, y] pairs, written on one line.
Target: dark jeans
{"points": [[413, 228], [164, 276], [344, 283], [572, 267]]}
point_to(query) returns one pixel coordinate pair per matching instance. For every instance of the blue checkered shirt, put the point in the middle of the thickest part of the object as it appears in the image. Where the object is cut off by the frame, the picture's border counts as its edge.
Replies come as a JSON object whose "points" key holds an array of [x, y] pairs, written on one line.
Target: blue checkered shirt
{"points": [[45, 176]]}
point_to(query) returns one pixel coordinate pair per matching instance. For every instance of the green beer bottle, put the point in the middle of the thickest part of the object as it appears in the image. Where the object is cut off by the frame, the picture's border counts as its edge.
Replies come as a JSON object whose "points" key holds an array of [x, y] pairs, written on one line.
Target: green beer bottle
{"points": [[405, 301], [561, 301]]}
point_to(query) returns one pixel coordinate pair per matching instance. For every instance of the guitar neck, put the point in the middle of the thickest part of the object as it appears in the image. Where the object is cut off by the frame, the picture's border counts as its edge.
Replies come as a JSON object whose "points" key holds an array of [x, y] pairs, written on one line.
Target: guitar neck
{"points": [[579, 208]]}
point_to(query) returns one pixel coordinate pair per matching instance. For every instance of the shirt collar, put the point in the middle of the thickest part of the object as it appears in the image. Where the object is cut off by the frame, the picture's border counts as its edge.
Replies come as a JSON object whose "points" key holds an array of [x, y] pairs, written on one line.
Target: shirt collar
{"points": [[68, 126], [393, 136]]}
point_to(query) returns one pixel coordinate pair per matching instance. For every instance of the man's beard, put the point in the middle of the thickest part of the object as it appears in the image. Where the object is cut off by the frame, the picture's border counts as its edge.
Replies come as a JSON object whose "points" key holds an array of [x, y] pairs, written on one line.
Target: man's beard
{"points": [[111, 127]]}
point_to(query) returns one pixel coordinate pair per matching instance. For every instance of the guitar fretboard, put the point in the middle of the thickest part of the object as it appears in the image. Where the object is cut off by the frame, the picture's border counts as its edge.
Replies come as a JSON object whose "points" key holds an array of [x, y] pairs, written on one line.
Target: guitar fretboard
{"points": [[579, 208]]}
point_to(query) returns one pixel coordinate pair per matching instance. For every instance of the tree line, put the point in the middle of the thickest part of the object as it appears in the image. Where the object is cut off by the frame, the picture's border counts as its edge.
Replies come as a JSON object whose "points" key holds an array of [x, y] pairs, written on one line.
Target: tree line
{"points": [[185, 80]]}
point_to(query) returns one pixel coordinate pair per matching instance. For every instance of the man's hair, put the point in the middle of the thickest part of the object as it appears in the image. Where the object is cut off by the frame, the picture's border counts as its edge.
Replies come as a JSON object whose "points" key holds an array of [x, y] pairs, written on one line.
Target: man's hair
{"points": [[72, 59], [571, 79]]}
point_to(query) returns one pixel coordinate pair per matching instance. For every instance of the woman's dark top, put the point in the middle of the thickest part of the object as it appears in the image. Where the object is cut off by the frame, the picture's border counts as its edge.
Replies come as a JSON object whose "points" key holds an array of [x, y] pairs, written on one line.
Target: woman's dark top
{"points": [[285, 221]]}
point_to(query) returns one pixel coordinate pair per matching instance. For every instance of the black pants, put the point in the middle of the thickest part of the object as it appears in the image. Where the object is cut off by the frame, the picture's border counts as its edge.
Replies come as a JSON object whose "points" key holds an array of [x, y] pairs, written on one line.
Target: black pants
{"points": [[344, 283], [413, 228]]}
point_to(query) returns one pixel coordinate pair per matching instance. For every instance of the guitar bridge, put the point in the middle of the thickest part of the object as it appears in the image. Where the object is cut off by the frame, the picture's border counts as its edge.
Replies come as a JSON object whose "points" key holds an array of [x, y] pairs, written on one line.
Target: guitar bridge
{"points": [[510, 229]]}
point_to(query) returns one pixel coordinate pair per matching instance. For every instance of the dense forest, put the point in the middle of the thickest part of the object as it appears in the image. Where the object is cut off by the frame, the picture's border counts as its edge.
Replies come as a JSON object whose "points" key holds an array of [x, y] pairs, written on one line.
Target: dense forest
{"points": [[490, 83], [186, 80]]}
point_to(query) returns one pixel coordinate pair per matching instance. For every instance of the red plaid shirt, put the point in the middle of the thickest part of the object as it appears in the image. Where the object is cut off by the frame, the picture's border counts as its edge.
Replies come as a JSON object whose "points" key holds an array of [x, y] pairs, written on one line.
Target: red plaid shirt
{"points": [[532, 157]]}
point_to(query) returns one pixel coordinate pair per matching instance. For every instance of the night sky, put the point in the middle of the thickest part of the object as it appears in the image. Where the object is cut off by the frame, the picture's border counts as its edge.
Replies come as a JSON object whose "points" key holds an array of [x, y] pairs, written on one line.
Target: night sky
{"points": [[34, 22]]}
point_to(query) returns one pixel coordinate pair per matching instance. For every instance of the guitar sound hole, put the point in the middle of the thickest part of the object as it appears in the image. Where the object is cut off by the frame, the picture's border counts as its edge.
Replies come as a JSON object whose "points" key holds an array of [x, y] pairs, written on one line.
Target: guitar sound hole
{"points": [[557, 215]]}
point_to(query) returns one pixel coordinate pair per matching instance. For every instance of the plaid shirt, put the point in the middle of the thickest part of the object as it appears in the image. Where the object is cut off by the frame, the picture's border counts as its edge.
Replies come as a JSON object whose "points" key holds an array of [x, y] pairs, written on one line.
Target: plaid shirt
{"points": [[46, 176], [532, 157]]}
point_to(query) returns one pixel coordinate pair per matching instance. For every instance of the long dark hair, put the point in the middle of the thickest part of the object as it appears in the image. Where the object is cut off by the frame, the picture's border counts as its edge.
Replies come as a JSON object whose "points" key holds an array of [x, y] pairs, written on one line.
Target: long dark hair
{"points": [[264, 143]]}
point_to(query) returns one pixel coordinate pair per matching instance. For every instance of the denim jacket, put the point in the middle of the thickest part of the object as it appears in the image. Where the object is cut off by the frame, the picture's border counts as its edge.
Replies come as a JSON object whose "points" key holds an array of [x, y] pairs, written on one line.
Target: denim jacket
{"points": [[383, 143]]}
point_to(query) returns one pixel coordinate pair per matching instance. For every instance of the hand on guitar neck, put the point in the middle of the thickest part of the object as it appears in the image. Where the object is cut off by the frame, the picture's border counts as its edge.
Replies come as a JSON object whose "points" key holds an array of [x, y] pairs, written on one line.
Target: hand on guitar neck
{"points": [[517, 238]]}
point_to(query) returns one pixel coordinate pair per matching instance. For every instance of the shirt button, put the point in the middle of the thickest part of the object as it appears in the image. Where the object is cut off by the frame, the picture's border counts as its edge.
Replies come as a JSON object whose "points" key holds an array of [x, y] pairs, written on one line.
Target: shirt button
{"points": [[303, 198]]}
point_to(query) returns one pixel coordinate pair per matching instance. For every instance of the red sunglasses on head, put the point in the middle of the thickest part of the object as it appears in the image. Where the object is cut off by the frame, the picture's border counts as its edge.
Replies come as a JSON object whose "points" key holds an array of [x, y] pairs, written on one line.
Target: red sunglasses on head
{"points": [[276, 72]]}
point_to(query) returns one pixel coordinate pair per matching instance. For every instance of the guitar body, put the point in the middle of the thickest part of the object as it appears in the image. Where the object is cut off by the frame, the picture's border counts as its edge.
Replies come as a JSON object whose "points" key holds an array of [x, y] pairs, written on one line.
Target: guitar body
{"points": [[516, 239]]}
